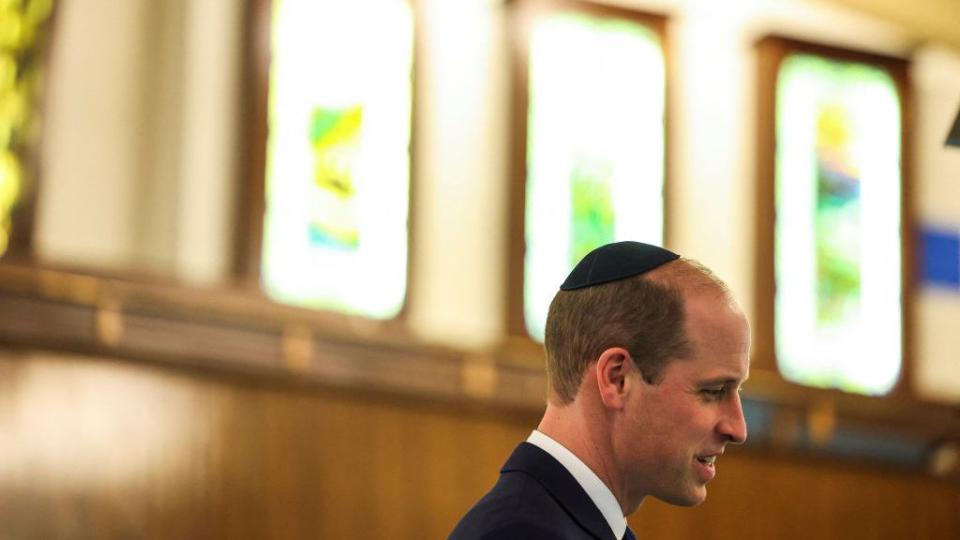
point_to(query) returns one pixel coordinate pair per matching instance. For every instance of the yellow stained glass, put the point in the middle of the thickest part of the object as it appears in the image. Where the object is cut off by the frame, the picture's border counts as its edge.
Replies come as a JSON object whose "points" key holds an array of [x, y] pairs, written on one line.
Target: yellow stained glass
{"points": [[837, 255], [337, 178]]}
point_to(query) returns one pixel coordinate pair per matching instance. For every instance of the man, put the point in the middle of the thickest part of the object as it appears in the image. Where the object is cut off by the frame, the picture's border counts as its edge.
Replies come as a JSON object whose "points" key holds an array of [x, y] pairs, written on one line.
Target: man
{"points": [[646, 353]]}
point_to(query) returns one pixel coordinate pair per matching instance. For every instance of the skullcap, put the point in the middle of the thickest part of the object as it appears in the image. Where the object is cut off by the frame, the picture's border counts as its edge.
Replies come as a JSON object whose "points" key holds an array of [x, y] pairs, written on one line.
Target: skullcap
{"points": [[615, 261]]}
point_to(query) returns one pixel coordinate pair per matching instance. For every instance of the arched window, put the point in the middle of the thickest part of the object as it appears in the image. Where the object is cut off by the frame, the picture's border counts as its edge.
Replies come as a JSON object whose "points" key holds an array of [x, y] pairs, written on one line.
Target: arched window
{"points": [[337, 163], [837, 260], [594, 141]]}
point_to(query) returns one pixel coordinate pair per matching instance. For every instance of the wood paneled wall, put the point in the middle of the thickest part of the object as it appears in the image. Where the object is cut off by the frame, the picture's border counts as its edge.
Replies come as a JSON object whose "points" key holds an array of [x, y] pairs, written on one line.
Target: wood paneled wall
{"points": [[103, 448]]}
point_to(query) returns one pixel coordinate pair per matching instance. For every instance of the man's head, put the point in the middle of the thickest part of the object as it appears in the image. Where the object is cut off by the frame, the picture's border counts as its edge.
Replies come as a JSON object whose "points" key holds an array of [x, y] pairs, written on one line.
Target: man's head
{"points": [[626, 295], [642, 315], [660, 357]]}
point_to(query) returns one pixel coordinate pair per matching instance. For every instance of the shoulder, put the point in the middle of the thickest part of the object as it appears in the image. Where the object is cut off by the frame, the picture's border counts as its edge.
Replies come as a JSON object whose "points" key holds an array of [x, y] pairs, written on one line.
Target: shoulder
{"points": [[513, 529], [517, 507], [519, 531]]}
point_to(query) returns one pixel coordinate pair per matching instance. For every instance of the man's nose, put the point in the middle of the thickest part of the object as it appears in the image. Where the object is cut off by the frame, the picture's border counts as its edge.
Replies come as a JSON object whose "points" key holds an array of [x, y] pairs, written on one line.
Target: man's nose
{"points": [[733, 426]]}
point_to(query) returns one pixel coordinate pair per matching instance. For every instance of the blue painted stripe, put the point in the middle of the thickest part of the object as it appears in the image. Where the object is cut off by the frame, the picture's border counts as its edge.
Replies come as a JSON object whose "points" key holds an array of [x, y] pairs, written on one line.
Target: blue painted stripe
{"points": [[940, 257]]}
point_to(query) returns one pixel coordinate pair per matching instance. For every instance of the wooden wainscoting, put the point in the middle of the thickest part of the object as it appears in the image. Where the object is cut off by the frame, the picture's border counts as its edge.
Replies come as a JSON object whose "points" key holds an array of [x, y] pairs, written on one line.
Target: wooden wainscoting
{"points": [[94, 447]]}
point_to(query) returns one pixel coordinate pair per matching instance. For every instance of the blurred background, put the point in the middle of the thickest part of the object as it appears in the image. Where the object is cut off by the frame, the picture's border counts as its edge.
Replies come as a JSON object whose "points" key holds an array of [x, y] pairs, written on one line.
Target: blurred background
{"points": [[279, 269]]}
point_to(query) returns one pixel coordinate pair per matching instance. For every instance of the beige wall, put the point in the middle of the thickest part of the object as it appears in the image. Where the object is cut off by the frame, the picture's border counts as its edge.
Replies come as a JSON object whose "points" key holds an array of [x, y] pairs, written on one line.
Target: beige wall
{"points": [[140, 142], [935, 20], [936, 76]]}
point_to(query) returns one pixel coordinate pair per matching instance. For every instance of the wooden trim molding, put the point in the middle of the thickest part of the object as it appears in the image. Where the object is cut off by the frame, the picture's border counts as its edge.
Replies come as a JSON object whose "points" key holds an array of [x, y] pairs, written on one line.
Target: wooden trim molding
{"points": [[223, 332], [226, 331]]}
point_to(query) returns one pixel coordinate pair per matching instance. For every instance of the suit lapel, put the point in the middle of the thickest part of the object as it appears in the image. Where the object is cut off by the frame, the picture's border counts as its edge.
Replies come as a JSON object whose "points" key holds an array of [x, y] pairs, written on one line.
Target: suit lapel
{"points": [[561, 485]]}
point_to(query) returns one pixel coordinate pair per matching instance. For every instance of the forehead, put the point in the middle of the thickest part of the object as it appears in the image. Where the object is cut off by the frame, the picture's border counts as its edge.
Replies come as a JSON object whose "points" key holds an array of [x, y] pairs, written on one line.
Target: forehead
{"points": [[718, 333]]}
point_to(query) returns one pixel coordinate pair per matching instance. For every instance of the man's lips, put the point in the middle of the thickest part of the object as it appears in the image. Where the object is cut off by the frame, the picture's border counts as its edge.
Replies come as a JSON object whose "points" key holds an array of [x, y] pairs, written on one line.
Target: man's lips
{"points": [[705, 465], [705, 471]]}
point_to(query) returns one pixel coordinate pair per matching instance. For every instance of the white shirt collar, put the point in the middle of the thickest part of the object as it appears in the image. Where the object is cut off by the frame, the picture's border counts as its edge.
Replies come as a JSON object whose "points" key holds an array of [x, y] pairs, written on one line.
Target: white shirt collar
{"points": [[598, 492]]}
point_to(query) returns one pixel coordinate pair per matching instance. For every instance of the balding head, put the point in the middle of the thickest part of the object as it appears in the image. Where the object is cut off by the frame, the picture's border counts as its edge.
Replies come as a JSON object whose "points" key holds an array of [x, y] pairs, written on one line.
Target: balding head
{"points": [[643, 314]]}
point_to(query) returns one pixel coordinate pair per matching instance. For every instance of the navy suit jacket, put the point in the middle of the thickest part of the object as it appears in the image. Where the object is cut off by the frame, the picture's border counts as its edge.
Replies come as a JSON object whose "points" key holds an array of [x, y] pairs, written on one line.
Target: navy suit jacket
{"points": [[535, 498]]}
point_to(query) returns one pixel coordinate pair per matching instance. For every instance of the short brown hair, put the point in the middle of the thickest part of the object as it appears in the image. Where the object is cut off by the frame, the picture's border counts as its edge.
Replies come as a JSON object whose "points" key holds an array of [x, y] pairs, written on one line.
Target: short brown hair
{"points": [[642, 314]]}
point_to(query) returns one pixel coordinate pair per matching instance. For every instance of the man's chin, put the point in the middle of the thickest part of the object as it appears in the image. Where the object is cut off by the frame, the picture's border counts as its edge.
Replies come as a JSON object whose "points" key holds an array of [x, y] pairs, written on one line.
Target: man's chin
{"points": [[689, 498]]}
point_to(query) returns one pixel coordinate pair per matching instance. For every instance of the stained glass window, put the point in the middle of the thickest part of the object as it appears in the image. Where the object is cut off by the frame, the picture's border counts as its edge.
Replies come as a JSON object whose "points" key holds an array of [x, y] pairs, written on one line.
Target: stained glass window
{"points": [[338, 162], [22, 28], [837, 254], [595, 147]]}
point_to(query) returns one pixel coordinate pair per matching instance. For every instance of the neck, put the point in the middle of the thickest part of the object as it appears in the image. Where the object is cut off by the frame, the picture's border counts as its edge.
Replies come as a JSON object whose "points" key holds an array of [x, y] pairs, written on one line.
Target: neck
{"points": [[586, 434]]}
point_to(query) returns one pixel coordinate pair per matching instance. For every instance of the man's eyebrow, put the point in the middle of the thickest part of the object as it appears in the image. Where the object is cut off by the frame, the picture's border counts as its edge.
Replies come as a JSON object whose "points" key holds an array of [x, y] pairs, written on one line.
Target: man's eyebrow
{"points": [[724, 380]]}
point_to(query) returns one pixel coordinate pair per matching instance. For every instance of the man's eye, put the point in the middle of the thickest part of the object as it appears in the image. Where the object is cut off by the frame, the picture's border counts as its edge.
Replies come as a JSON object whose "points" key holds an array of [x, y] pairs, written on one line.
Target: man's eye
{"points": [[715, 393]]}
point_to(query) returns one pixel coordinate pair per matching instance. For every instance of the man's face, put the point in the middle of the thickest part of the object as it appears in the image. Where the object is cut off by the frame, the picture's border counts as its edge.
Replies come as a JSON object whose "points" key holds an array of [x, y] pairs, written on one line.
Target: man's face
{"points": [[674, 430]]}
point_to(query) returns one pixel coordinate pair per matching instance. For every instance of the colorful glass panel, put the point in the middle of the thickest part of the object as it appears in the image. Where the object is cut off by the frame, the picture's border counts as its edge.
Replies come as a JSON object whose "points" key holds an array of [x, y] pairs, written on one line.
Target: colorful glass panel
{"points": [[337, 179], [838, 294], [595, 147], [23, 25]]}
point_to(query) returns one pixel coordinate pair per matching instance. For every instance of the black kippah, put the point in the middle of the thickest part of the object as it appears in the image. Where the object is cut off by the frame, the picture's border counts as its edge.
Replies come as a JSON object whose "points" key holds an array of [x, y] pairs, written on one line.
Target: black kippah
{"points": [[616, 261]]}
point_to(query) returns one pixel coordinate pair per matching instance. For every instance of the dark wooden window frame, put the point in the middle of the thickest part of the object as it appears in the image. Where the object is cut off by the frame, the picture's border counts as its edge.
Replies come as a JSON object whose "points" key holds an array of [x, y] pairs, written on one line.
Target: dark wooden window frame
{"points": [[522, 13], [251, 201], [771, 50]]}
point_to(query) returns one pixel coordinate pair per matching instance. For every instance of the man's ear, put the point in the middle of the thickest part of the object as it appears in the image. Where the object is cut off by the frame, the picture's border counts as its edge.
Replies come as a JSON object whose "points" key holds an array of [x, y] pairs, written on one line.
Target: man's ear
{"points": [[613, 366]]}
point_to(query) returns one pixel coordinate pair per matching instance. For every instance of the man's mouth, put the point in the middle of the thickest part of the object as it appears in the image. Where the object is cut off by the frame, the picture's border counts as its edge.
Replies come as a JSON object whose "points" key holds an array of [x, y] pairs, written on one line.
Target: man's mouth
{"points": [[705, 467]]}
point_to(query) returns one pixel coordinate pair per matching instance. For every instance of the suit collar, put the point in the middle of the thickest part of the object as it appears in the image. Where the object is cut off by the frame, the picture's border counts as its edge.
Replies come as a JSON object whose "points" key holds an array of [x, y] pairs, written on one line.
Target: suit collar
{"points": [[561, 485], [595, 488]]}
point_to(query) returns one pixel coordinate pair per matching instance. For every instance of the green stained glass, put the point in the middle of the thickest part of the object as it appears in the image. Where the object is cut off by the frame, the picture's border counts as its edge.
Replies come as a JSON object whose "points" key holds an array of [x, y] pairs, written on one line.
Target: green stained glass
{"points": [[337, 178], [837, 254], [595, 146], [592, 219], [837, 217]]}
